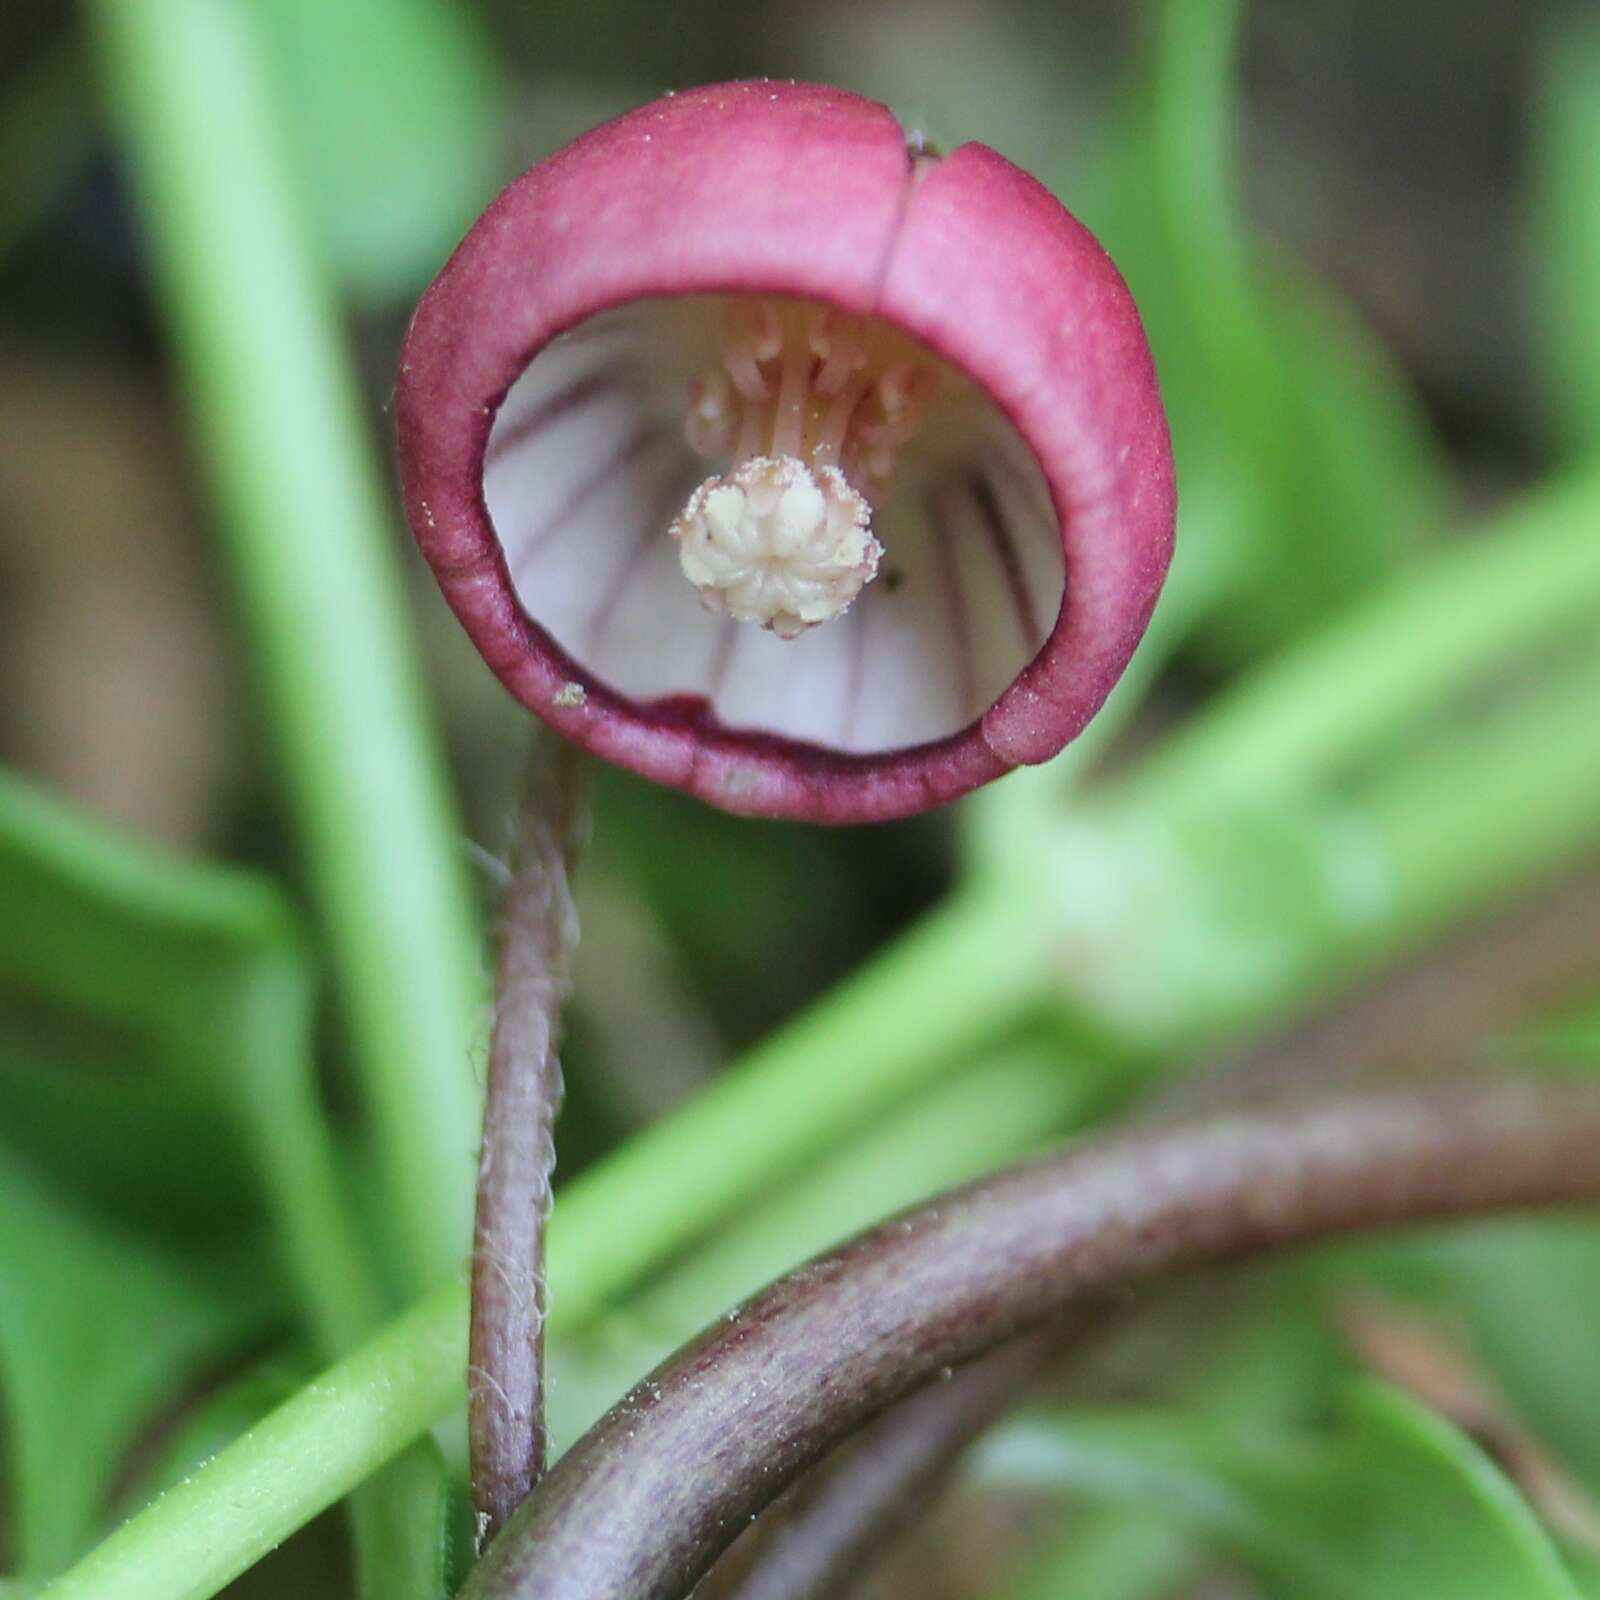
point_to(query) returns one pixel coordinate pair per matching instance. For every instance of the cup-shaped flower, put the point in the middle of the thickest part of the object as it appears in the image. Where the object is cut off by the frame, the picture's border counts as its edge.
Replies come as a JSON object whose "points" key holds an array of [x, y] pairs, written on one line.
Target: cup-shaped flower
{"points": [[766, 453]]}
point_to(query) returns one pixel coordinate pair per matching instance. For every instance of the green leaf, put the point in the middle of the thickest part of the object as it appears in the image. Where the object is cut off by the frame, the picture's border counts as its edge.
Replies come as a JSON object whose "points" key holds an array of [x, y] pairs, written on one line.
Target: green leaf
{"points": [[93, 1107], [189, 984], [1495, 1282], [1111, 1553], [101, 1329], [114, 962], [1391, 1500], [1364, 478], [154, 1036], [116, 1035], [393, 113], [1585, 1567], [79, 891]]}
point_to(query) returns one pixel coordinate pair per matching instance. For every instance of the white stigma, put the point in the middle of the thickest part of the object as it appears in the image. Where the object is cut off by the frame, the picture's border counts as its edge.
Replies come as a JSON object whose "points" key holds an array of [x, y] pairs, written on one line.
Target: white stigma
{"points": [[778, 543]]}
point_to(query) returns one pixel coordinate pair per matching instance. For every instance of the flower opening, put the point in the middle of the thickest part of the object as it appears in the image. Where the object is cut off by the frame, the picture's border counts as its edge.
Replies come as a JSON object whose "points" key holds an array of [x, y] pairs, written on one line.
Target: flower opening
{"points": [[812, 406], [828, 522], [893, 467]]}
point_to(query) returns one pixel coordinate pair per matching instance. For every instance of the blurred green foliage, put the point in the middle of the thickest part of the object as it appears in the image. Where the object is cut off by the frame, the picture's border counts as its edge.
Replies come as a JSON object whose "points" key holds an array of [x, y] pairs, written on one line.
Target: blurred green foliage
{"points": [[1296, 437], [103, 1331], [106, 1320], [396, 120], [1390, 1500]]}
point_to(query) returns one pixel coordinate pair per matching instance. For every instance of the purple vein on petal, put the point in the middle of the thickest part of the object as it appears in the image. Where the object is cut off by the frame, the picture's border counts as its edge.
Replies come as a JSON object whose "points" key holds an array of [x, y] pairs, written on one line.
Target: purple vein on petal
{"points": [[676, 489], [1037, 515], [598, 381], [955, 595], [631, 449], [998, 529]]}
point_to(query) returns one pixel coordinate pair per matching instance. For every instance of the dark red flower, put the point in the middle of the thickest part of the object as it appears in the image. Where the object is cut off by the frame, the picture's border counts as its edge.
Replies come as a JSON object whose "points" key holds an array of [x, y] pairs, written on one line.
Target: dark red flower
{"points": [[787, 463]]}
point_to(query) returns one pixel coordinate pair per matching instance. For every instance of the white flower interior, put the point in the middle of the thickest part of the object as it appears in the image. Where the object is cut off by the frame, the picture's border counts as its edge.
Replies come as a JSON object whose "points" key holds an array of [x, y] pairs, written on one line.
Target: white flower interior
{"points": [[804, 519]]}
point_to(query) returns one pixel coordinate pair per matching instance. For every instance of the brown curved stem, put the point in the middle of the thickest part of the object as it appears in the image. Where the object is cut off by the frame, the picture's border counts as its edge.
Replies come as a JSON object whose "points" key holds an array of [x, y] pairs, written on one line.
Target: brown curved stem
{"points": [[847, 1512], [537, 929], [645, 1502]]}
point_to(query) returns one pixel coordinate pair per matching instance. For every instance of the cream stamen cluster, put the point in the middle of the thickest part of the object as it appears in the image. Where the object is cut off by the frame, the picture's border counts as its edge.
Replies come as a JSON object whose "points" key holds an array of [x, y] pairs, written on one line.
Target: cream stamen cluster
{"points": [[812, 423], [777, 543]]}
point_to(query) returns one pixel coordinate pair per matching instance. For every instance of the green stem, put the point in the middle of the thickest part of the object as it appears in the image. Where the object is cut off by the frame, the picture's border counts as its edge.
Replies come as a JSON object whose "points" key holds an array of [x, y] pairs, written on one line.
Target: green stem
{"points": [[293, 1464], [405, 1521], [270, 1004], [277, 413], [1493, 807], [1004, 1107], [395, 1513], [1533, 572], [973, 966]]}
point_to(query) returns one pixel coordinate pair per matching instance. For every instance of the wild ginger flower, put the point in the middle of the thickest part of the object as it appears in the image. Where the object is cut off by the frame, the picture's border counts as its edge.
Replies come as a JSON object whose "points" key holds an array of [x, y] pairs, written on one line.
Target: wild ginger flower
{"points": [[775, 457]]}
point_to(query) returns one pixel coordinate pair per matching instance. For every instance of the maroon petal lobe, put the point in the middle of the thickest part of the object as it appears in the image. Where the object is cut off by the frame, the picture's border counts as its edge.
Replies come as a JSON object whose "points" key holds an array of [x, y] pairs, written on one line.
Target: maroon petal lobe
{"points": [[792, 190], [993, 273]]}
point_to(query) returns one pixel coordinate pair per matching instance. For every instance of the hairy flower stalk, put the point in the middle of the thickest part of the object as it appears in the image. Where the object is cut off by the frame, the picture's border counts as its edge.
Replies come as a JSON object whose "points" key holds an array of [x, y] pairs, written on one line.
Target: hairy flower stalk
{"points": [[537, 928], [766, 453]]}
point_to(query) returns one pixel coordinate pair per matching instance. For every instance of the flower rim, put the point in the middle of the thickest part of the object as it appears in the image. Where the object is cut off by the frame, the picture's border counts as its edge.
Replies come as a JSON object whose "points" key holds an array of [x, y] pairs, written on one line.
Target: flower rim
{"points": [[964, 253]]}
